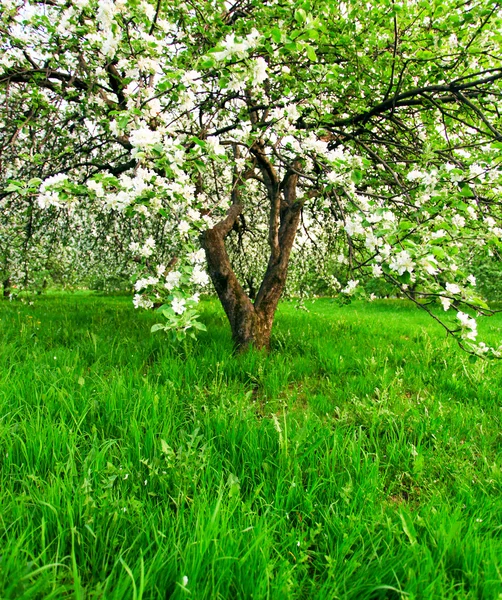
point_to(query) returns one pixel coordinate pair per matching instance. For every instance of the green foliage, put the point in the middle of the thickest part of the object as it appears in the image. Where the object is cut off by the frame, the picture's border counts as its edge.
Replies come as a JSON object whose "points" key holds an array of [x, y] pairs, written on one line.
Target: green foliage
{"points": [[178, 327], [488, 273], [362, 461]]}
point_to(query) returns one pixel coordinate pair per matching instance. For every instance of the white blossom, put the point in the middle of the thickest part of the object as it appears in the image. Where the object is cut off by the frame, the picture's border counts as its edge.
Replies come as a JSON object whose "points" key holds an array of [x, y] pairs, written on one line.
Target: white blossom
{"points": [[140, 301], [414, 175], [183, 227], [402, 262], [199, 276], [144, 137], [453, 288], [96, 187], [349, 289], [172, 280], [197, 257], [458, 220], [178, 305], [469, 324], [260, 70]]}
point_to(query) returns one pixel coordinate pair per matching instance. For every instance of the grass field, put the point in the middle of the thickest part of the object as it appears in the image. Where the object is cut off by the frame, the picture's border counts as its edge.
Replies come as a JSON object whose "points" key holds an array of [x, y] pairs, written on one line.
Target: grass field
{"points": [[360, 459]]}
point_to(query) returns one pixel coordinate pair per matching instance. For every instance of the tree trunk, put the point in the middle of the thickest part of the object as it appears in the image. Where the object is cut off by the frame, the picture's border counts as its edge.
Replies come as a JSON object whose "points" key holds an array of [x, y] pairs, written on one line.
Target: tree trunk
{"points": [[6, 287], [250, 327], [251, 323]]}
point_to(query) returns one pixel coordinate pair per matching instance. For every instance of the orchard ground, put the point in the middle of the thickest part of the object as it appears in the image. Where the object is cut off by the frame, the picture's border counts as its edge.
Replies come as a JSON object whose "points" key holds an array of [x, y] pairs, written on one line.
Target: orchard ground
{"points": [[360, 459]]}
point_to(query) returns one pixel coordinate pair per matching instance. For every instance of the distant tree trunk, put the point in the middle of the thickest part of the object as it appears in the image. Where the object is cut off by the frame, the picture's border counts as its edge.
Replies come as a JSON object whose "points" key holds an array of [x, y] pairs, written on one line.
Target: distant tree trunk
{"points": [[6, 287], [251, 323], [251, 288], [412, 291]]}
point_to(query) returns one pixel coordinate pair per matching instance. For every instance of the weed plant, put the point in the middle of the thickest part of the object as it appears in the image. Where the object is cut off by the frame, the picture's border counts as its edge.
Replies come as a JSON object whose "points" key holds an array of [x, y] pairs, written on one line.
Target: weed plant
{"points": [[360, 459]]}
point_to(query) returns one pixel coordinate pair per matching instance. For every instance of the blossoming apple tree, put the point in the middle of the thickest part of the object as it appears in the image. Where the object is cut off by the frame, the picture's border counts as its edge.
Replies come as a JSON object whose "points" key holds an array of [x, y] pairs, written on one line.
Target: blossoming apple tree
{"points": [[372, 128]]}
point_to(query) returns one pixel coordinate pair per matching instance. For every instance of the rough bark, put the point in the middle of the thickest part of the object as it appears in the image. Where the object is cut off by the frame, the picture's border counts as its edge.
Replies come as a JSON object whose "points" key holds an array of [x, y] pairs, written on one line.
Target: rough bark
{"points": [[251, 323], [246, 324]]}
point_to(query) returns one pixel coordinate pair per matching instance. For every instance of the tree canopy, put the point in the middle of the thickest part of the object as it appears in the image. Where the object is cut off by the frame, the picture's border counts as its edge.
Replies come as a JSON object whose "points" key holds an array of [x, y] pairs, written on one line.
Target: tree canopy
{"points": [[364, 133]]}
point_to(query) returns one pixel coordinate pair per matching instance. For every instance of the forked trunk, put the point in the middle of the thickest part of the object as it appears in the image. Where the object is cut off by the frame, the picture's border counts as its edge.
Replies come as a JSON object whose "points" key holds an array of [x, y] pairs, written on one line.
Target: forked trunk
{"points": [[251, 323]]}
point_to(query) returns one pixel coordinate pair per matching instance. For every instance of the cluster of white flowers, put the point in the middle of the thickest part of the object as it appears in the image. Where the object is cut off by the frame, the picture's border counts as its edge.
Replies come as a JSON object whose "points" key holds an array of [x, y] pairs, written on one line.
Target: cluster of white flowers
{"points": [[469, 326], [52, 181], [173, 279], [453, 288], [429, 179], [286, 116], [143, 138], [351, 286], [492, 225], [96, 187], [199, 256], [178, 305], [237, 47], [458, 220], [429, 264], [353, 225], [214, 146], [402, 262], [141, 301], [141, 284], [199, 276], [260, 71], [49, 196], [183, 227], [144, 250]]}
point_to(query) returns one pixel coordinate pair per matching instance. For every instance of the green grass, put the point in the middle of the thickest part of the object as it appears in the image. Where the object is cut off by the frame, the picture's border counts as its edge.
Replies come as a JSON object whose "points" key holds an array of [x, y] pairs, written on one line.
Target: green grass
{"points": [[360, 459]]}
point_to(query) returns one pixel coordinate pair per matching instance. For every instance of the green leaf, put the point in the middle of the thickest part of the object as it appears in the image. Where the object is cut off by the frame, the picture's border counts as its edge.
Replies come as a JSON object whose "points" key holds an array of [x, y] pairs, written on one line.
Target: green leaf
{"points": [[312, 56], [276, 35], [405, 277], [312, 34], [14, 187], [300, 15], [438, 252], [208, 63], [162, 308], [406, 225], [466, 192], [157, 327]]}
